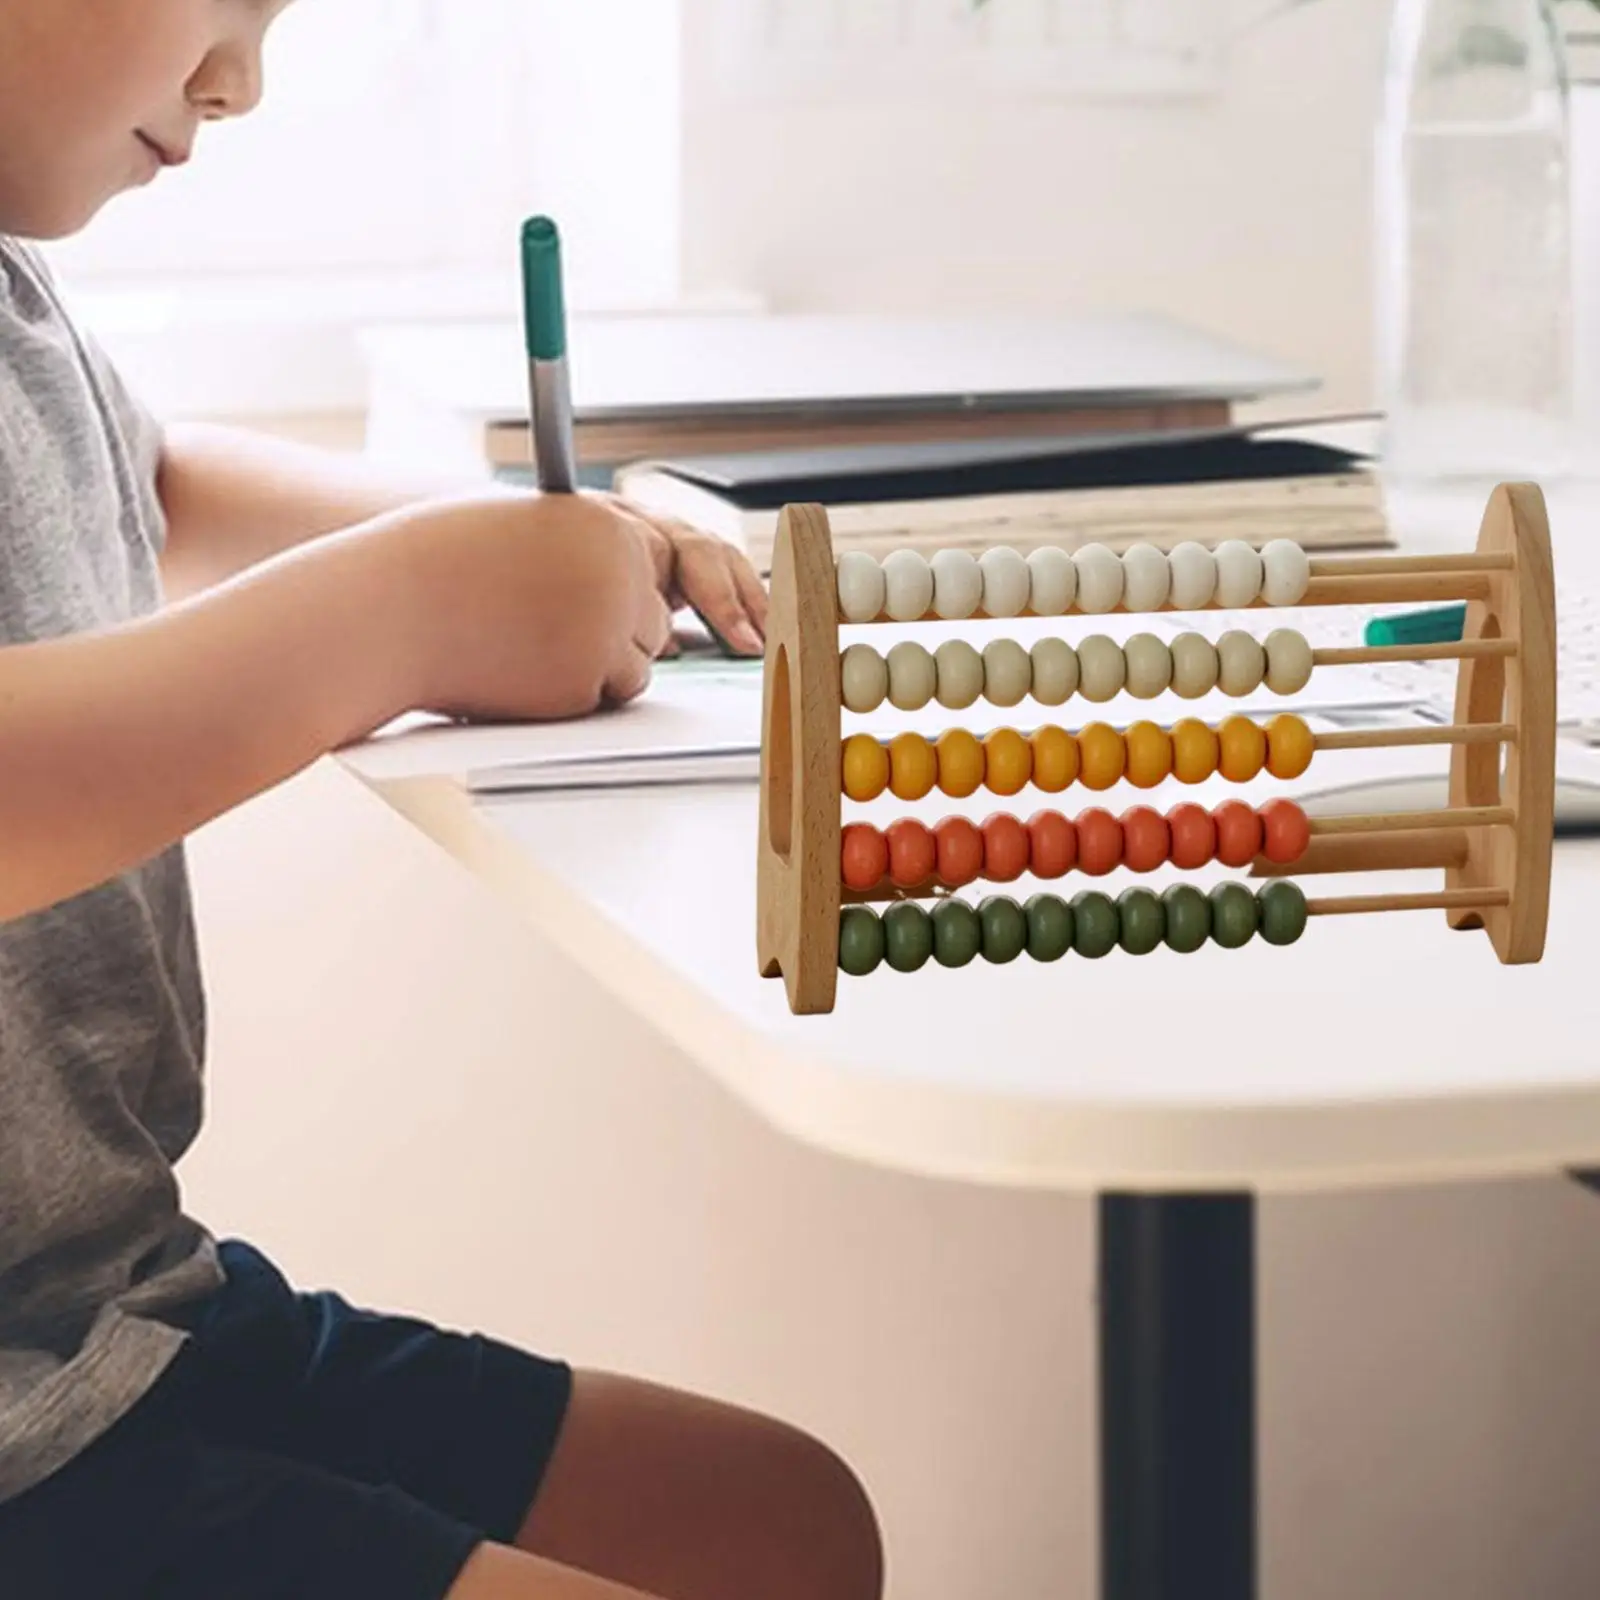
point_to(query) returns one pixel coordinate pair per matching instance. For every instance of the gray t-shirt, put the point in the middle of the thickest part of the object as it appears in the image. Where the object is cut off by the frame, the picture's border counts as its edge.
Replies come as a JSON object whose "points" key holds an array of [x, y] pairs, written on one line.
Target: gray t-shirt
{"points": [[101, 1009]]}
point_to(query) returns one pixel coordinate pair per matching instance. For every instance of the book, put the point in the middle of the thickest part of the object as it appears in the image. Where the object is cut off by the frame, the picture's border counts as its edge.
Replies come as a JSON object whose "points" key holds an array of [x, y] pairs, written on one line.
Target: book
{"points": [[1208, 484]]}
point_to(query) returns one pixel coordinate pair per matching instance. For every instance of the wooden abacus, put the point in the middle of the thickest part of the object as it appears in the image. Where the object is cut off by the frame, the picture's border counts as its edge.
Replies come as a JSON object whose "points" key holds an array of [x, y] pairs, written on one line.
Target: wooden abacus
{"points": [[1493, 841]]}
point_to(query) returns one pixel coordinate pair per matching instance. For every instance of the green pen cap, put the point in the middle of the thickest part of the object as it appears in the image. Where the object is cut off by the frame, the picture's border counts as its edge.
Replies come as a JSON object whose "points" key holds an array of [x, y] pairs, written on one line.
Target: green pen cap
{"points": [[544, 304], [1436, 625]]}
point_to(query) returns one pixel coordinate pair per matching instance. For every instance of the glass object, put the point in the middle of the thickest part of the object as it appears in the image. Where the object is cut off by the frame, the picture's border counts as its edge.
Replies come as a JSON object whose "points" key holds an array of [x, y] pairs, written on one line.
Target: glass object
{"points": [[1474, 249]]}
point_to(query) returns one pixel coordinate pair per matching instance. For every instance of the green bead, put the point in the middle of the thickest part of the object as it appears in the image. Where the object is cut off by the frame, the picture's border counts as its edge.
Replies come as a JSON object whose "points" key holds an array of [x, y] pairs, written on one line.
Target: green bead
{"points": [[1050, 927], [1097, 925], [1234, 915], [1143, 922], [907, 936], [1005, 928], [957, 933], [1283, 911], [1188, 918], [860, 940]]}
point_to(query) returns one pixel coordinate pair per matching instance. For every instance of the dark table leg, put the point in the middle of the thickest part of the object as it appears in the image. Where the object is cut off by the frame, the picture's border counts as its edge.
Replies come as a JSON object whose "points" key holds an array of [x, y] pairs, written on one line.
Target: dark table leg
{"points": [[1177, 1397]]}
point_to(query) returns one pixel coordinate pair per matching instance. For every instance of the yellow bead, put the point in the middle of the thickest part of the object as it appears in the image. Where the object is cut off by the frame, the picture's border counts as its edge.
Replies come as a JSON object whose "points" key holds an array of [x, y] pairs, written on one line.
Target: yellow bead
{"points": [[1104, 756], [961, 763], [913, 767], [1008, 761], [1194, 751], [1149, 755], [866, 767], [1289, 746], [1055, 759], [1244, 749]]}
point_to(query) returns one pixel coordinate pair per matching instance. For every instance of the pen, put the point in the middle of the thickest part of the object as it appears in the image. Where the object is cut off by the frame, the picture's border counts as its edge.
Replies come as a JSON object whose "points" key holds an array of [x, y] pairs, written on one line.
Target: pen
{"points": [[545, 329], [1435, 625]]}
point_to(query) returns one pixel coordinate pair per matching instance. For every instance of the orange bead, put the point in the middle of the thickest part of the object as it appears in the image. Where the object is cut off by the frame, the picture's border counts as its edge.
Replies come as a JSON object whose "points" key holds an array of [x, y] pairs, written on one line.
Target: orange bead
{"points": [[912, 852], [1099, 842], [1195, 751], [864, 856], [1054, 844], [1244, 750], [1290, 745], [1055, 759], [1008, 761], [1103, 754], [913, 766], [1005, 847], [866, 767], [960, 763], [1287, 831], [960, 850], [1194, 836], [1149, 755], [1239, 833], [1146, 839]]}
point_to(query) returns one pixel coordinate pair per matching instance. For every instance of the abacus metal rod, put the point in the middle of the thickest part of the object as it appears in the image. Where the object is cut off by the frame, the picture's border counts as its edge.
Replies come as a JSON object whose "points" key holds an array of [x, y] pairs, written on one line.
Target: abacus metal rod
{"points": [[1398, 738], [1416, 821], [1438, 900], [1377, 655]]}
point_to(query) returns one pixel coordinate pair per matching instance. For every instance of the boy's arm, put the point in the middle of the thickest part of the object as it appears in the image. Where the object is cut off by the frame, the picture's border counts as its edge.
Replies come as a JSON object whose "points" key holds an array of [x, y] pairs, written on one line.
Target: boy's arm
{"points": [[233, 499]]}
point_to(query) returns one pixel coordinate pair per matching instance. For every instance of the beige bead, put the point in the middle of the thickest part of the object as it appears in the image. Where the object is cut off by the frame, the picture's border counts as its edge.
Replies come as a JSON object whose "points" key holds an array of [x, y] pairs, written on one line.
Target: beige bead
{"points": [[1243, 663], [1146, 578], [865, 678], [1052, 581], [908, 585], [1006, 582], [1194, 666], [1099, 579], [957, 584], [1286, 573], [1007, 672], [913, 678], [1288, 661], [1149, 666], [1102, 668], [861, 586], [1055, 672], [1238, 575], [960, 673], [1194, 576]]}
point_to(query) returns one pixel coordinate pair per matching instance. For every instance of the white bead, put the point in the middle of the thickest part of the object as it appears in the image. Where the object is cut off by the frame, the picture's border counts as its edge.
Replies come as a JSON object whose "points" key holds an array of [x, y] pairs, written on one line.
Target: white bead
{"points": [[1288, 661], [1238, 575], [1102, 668], [957, 584], [1195, 667], [1243, 663], [960, 672], [1055, 672], [908, 584], [1194, 576], [1146, 578], [1286, 572], [861, 586], [1006, 582], [1149, 663], [1099, 579], [1007, 672], [1053, 581], [913, 678], [864, 675]]}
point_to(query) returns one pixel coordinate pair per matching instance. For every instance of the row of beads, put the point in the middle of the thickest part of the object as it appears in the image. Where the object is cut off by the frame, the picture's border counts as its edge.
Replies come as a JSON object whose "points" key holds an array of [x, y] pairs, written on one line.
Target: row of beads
{"points": [[1004, 761], [957, 675], [956, 851], [1049, 582], [953, 933]]}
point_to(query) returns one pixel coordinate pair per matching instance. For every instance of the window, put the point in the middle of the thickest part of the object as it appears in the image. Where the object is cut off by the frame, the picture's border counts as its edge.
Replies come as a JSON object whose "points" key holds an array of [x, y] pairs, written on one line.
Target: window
{"points": [[399, 146]]}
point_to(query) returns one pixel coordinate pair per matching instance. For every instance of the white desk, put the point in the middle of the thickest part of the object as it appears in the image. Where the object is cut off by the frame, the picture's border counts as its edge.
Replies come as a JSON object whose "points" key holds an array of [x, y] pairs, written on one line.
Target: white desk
{"points": [[1381, 1050]]}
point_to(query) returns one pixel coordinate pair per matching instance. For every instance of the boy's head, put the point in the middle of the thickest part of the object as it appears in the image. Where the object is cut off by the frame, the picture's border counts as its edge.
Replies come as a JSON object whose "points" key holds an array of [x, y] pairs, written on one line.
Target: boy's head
{"points": [[97, 95]]}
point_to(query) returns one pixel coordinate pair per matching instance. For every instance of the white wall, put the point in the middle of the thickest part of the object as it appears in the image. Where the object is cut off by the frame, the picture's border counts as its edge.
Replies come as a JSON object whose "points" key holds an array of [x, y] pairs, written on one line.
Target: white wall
{"points": [[1248, 214]]}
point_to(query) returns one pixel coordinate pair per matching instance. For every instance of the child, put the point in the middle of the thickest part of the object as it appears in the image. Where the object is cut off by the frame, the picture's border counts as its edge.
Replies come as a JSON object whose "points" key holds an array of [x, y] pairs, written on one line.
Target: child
{"points": [[176, 1423]]}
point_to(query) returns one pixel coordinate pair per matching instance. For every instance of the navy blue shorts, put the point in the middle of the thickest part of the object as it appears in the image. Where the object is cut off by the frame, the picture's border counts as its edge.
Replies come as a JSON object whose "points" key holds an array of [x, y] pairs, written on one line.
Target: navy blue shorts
{"points": [[297, 1449]]}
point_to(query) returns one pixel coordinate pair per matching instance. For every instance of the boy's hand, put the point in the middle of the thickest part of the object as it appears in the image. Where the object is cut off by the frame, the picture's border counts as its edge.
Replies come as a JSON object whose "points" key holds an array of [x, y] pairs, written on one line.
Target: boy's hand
{"points": [[527, 607]]}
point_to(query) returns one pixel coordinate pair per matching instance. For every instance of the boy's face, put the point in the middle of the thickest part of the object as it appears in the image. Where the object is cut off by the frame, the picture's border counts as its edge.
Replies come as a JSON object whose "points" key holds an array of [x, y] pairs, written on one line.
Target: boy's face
{"points": [[97, 95]]}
